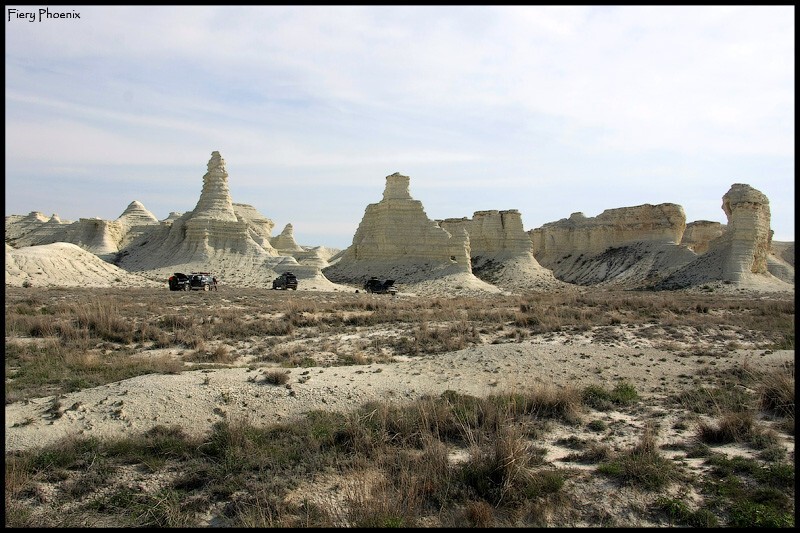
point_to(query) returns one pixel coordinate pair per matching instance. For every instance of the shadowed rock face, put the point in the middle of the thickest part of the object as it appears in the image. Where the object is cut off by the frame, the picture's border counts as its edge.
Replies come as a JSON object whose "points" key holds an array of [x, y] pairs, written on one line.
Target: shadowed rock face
{"points": [[661, 224], [699, 234]]}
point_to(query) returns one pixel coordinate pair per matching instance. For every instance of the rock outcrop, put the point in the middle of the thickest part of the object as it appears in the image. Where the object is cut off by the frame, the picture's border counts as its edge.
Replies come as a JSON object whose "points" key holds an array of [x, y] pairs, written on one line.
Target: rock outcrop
{"points": [[662, 223], [221, 236], [397, 240], [492, 232], [18, 226], [646, 246], [748, 233], [285, 243], [134, 222], [230, 239], [215, 228], [700, 233], [62, 264], [501, 250], [626, 247], [739, 255], [34, 229], [103, 238]]}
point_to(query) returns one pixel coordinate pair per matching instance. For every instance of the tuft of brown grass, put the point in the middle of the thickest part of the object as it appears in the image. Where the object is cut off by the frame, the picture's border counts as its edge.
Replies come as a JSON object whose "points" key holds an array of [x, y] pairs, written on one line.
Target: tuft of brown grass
{"points": [[276, 377], [732, 427], [776, 392]]}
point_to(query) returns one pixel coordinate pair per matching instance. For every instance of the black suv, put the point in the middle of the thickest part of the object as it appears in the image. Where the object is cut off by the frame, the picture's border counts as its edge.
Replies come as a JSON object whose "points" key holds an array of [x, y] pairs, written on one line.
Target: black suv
{"points": [[179, 282], [374, 285], [203, 281], [285, 281]]}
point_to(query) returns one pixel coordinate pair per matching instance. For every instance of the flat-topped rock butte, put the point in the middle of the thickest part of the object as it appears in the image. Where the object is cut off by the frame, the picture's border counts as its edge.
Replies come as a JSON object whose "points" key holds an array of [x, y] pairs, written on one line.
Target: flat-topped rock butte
{"points": [[646, 246]]}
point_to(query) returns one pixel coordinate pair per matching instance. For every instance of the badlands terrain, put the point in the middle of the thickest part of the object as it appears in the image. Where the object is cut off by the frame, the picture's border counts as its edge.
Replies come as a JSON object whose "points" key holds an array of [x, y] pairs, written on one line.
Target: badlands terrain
{"points": [[628, 369]]}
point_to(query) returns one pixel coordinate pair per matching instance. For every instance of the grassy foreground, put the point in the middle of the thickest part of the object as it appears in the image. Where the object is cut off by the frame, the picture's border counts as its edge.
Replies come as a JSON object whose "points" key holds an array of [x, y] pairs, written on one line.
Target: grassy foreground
{"points": [[451, 460]]}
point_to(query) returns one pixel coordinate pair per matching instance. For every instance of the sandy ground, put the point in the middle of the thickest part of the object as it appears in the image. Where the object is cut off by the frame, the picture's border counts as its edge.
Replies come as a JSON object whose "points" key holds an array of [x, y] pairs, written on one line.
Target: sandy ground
{"points": [[195, 400]]}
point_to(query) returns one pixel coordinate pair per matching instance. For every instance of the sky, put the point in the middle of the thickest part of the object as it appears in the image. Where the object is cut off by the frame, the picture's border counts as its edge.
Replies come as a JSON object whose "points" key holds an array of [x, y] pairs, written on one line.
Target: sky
{"points": [[546, 110]]}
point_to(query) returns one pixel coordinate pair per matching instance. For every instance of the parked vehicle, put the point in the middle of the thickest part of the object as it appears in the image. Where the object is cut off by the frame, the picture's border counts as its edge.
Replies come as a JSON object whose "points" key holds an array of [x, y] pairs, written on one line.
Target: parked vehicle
{"points": [[376, 286], [179, 282], [202, 281], [285, 281]]}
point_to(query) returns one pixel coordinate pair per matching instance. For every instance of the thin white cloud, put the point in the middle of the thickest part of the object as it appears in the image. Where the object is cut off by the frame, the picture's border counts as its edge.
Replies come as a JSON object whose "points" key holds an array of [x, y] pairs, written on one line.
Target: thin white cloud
{"points": [[513, 96]]}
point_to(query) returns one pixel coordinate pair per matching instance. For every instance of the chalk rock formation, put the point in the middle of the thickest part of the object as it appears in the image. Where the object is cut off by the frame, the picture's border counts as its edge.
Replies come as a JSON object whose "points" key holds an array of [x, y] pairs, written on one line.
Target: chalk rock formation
{"points": [[100, 237], [213, 225], [173, 215], [256, 222], [700, 233], [137, 215], [63, 264], [501, 250], [492, 232], [215, 199], [662, 223], [18, 226], [135, 221], [627, 247], [397, 240], [230, 239], [215, 228], [780, 261], [748, 234], [285, 243], [35, 229], [739, 255]]}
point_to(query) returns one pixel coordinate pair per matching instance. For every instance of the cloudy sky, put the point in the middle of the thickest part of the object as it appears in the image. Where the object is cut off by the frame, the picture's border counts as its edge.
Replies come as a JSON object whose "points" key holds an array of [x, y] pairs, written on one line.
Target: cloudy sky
{"points": [[547, 110]]}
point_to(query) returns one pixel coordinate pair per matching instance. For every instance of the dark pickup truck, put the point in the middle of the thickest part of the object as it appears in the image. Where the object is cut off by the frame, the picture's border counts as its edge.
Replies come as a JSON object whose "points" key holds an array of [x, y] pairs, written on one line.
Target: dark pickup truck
{"points": [[376, 286]]}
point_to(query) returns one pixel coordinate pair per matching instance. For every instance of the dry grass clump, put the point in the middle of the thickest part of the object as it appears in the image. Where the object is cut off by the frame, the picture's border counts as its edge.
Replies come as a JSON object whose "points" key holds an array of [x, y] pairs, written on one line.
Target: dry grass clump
{"points": [[732, 427], [394, 464], [288, 328], [221, 354], [276, 377], [776, 392]]}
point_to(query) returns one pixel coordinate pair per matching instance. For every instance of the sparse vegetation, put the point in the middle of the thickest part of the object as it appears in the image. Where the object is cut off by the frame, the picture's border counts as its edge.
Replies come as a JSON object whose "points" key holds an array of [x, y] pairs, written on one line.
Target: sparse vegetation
{"points": [[446, 460]]}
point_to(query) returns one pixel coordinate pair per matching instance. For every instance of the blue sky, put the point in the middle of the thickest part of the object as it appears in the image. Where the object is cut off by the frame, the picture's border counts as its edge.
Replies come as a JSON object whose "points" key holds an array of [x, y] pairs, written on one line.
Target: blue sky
{"points": [[547, 110]]}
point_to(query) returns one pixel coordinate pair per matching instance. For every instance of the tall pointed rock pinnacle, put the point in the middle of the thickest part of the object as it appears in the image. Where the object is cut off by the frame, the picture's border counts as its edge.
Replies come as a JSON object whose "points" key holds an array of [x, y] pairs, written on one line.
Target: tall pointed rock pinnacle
{"points": [[215, 199]]}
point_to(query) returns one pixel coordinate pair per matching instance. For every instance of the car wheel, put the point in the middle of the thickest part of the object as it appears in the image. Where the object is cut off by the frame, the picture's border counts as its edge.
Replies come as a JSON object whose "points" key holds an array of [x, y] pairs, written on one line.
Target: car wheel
{"points": [[205, 288], [187, 287]]}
